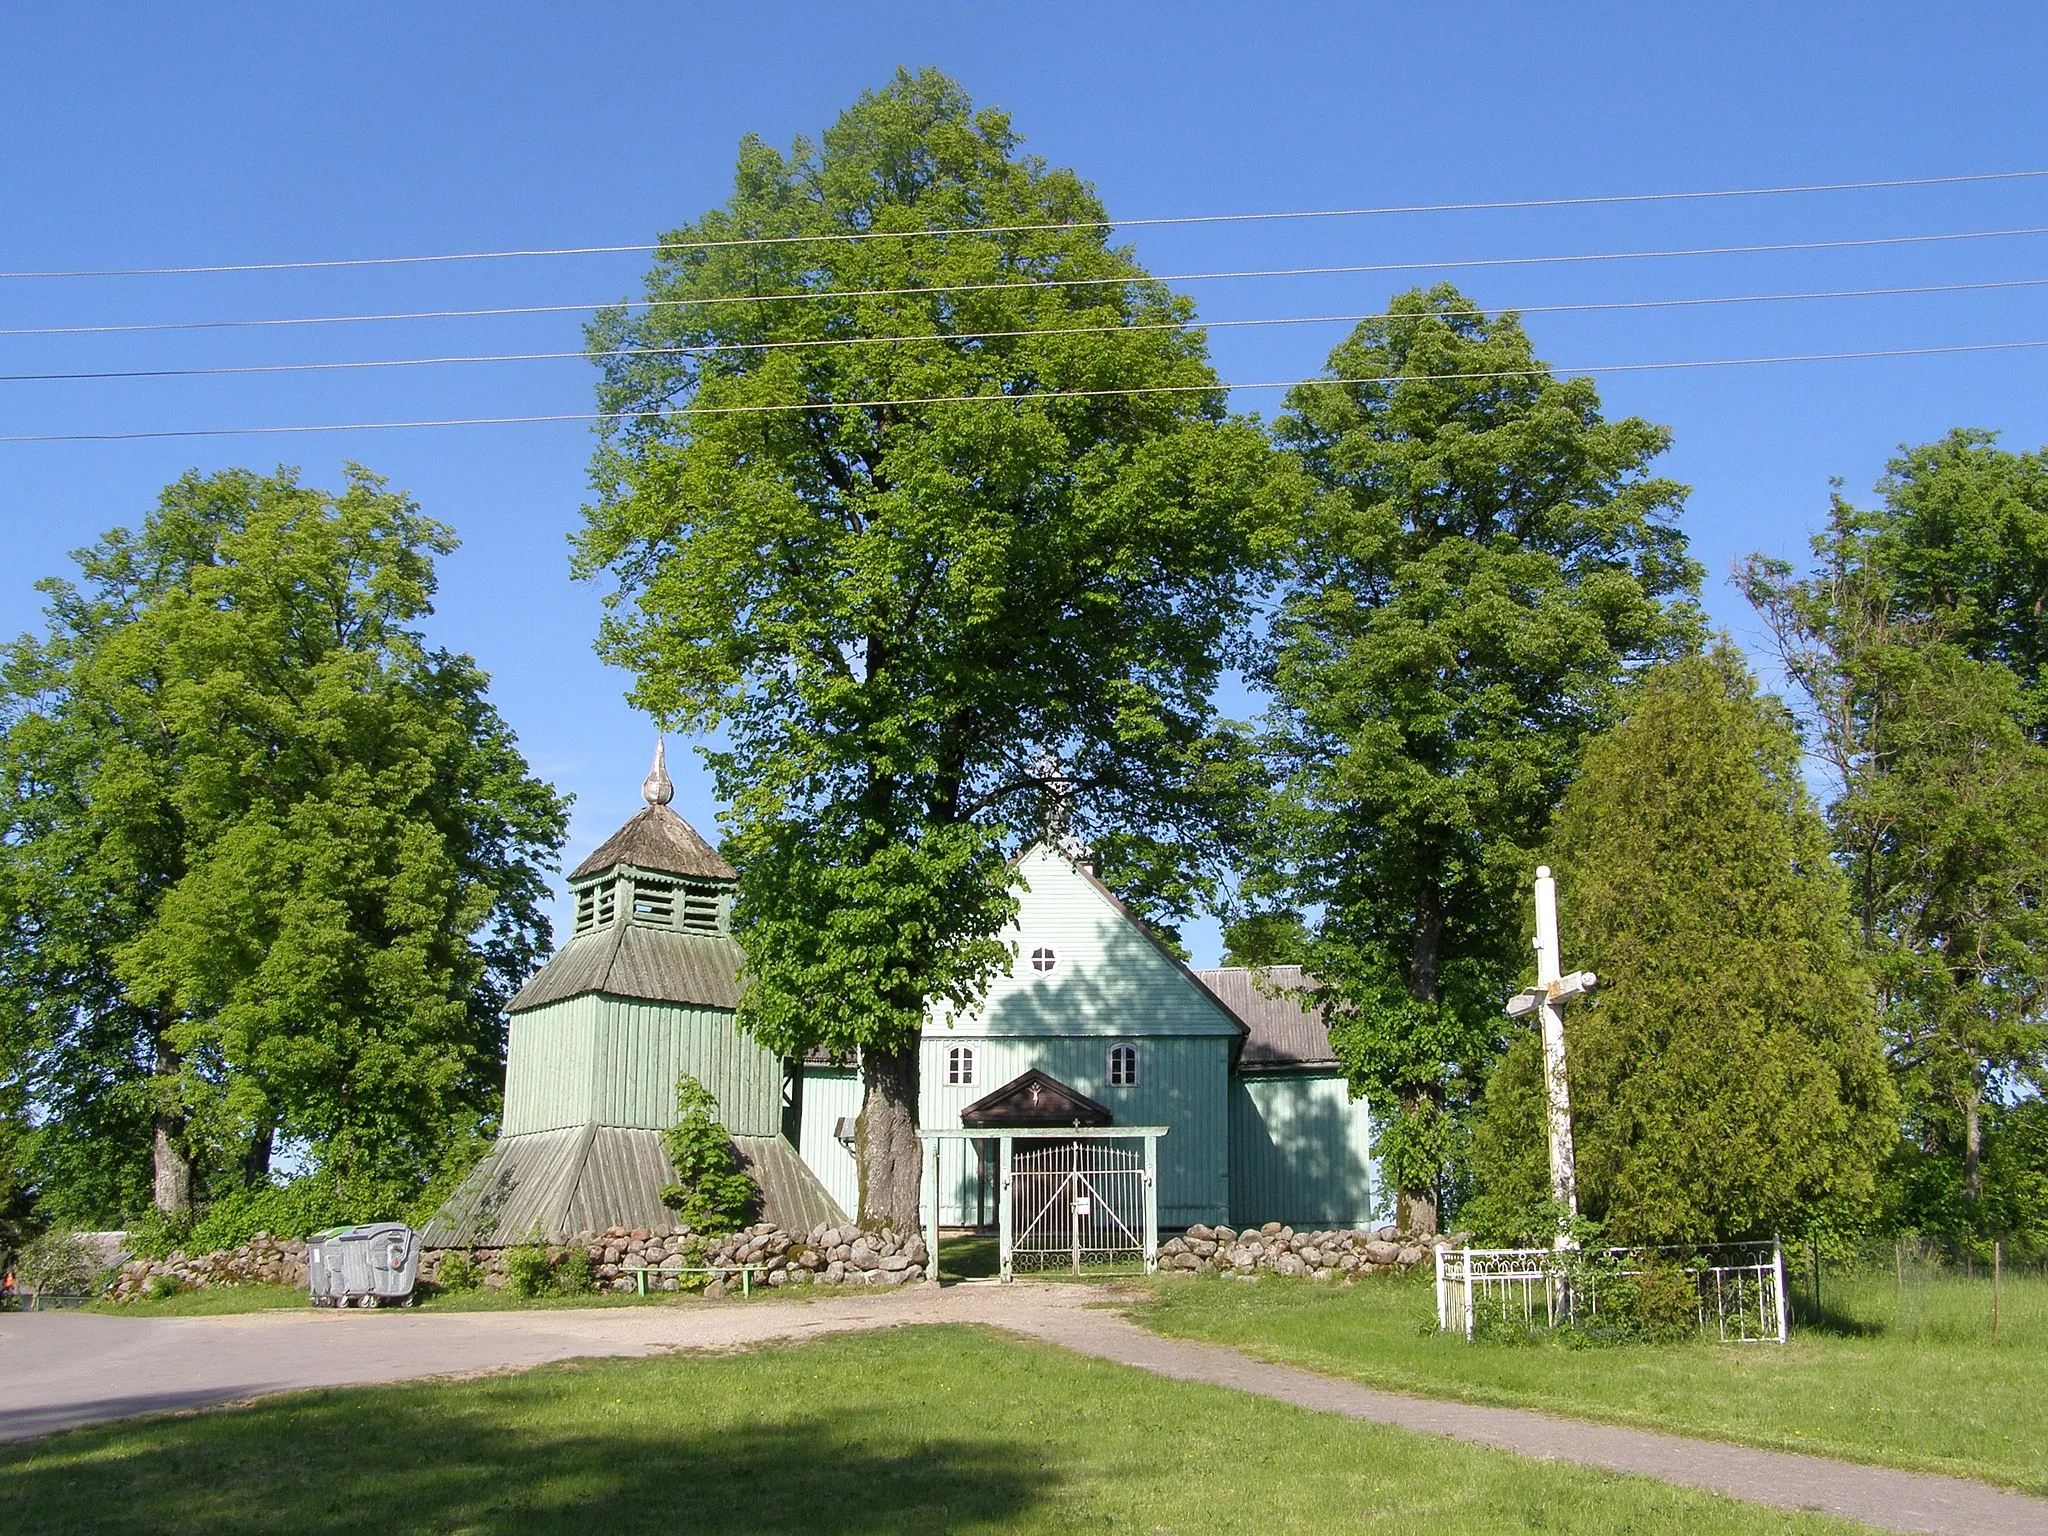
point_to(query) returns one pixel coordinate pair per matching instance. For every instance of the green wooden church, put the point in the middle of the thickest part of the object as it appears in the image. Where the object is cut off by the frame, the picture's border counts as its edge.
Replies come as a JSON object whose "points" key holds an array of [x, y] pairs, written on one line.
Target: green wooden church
{"points": [[1260, 1125]]}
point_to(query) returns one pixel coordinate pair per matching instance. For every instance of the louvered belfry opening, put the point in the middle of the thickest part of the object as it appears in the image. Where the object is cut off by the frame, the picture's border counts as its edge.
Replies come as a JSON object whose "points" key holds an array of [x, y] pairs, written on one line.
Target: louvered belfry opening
{"points": [[596, 906], [687, 906]]}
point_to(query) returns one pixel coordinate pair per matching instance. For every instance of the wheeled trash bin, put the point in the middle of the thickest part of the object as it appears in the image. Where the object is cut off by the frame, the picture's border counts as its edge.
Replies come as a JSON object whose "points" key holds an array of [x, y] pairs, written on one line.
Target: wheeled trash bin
{"points": [[364, 1266]]}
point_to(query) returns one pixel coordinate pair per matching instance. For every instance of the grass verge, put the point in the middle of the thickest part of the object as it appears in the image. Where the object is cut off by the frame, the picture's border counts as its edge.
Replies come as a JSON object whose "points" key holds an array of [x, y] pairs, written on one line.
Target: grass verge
{"points": [[1915, 1397], [927, 1429], [216, 1302]]}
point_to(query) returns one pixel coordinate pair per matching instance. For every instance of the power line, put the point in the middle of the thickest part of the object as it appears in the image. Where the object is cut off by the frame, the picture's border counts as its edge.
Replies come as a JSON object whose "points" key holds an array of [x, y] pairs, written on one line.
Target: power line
{"points": [[1048, 282], [848, 236], [1010, 399], [713, 348]]}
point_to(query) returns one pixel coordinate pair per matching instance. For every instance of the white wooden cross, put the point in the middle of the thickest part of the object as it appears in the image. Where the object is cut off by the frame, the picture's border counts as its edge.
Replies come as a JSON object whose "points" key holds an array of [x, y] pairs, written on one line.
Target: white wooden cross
{"points": [[1547, 998]]}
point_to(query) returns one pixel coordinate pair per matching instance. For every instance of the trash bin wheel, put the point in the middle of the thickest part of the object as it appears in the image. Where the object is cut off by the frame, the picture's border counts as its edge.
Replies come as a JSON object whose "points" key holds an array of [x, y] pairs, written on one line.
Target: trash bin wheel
{"points": [[368, 1301]]}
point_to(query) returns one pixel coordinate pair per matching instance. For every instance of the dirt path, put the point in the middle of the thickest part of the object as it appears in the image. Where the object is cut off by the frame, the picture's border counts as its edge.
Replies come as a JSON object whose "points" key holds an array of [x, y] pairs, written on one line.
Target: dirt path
{"points": [[60, 1370]]}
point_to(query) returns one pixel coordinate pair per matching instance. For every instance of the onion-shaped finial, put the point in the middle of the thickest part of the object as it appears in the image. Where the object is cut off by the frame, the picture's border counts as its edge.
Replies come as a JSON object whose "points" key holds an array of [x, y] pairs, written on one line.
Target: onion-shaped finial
{"points": [[657, 788]]}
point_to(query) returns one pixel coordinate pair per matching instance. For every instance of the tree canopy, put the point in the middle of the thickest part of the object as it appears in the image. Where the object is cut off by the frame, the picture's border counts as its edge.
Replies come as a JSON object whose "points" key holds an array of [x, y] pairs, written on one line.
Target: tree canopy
{"points": [[920, 494], [1726, 1078], [1917, 635], [273, 864], [1488, 562]]}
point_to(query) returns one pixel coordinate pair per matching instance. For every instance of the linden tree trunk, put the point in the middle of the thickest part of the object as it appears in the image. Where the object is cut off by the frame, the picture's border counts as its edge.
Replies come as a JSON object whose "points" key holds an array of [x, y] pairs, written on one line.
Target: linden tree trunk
{"points": [[930, 526]]}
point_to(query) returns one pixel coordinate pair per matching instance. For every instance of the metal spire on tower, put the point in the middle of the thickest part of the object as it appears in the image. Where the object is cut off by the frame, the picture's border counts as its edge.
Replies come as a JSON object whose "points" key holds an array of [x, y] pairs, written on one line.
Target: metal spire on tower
{"points": [[657, 788]]}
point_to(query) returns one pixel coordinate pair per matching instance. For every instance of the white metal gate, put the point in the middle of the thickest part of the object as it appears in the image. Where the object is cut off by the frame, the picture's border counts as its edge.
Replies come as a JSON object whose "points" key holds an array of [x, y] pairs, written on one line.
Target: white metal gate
{"points": [[1084, 1199], [1077, 1205]]}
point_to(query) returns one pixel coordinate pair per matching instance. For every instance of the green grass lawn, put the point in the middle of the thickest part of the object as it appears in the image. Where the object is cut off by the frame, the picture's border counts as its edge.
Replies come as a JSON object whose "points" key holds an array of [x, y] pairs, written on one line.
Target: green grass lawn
{"points": [[1920, 1385], [926, 1429]]}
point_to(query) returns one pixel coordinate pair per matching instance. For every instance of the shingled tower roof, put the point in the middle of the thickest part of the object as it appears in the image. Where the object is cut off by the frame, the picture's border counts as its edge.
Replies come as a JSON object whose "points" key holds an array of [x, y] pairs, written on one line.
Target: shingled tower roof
{"points": [[657, 839], [651, 907]]}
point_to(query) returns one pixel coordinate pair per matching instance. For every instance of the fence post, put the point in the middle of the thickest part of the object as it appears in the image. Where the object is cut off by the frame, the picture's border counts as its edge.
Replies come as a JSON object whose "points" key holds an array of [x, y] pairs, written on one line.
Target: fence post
{"points": [[1997, 1277], [1151, 1205], [931, 1267], [1006, 1224], [1443, 1316], [1784, 1322]]}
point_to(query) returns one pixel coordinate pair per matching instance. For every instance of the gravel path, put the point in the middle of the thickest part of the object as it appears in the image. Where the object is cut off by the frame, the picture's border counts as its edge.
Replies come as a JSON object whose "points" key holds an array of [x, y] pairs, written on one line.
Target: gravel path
{"points": [[59, 1370]]}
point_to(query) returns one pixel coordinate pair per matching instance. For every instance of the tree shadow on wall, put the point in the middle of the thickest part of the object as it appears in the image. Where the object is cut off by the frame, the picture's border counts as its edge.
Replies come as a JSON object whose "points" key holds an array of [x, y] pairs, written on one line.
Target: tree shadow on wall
{"points": [[1305, 1148], [395, 1462]]}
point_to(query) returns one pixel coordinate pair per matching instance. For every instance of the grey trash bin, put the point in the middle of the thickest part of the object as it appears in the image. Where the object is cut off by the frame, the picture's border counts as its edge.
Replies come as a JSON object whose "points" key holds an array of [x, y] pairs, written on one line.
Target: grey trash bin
{"points": [[365, 1266]]}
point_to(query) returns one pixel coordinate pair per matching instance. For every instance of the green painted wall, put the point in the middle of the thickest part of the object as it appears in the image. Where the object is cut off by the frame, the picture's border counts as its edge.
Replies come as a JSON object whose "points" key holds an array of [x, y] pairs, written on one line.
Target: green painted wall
{"points": [[615, 1061], [1109, 979], [1183, 1084], [1300, 1152], [828, 1093]]}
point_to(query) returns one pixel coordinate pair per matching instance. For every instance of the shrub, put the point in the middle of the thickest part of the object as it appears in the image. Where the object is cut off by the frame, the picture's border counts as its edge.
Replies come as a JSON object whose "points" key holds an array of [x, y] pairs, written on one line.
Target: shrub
{"points": [[1661, 1304], [532, 1270], [61, 1263], [459, 1272], [712, 1192], [528, 1271], [162, 1286], [296, 1209], [573, 1273]]}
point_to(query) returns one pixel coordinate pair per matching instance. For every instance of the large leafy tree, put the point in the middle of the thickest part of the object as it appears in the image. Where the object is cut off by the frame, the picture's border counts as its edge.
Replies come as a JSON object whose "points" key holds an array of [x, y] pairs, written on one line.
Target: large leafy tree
{"points": [[922, 495], [1489, 561], [272, 864], [1917, 634], [1726, 1079]]}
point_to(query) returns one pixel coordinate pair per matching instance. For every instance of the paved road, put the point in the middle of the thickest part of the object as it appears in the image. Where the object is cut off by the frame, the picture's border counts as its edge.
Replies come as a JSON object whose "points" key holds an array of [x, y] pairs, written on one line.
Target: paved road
{"points": [[59, 1370]]}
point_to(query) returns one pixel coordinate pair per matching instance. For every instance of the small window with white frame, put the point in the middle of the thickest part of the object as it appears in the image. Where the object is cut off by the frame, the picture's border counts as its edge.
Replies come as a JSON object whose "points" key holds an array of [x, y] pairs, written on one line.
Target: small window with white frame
{"points": [[960, 1066], [1123, 1066], [1044, 958]]}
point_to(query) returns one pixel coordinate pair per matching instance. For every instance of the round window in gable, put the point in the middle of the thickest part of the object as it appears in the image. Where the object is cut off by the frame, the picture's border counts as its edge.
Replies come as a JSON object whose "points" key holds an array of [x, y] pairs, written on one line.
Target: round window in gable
{"points": [[1043, 959]]}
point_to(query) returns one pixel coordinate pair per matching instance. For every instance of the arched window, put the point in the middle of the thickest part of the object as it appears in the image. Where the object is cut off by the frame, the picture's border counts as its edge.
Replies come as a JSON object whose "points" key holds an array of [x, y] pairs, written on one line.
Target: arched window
{"points": [[960, 1066], [1123, 1066], [1043, 959]]}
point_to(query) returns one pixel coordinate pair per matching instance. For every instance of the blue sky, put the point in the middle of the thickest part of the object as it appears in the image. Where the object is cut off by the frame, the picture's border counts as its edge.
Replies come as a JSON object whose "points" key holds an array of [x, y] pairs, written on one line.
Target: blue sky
{"points": [[148, 136]]}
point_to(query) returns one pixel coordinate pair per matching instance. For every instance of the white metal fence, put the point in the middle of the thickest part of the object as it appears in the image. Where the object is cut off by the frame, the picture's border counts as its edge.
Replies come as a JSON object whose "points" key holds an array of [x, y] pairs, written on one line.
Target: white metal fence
{"points": [[1736, 1290]]}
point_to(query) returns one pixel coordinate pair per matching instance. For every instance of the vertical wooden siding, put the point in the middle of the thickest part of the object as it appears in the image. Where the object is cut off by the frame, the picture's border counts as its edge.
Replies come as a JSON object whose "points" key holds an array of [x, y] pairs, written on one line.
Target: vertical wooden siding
{"points": [[643, 1046], [1109, 978], [615, 1061], [1183, 1084], [830, 1092], [548, 1067], [1300, 1152]]}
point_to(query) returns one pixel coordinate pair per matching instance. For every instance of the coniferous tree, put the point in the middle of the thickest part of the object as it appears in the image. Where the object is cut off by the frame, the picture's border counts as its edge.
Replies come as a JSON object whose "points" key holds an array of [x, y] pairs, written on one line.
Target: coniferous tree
{"points": [[1726, 1078]]}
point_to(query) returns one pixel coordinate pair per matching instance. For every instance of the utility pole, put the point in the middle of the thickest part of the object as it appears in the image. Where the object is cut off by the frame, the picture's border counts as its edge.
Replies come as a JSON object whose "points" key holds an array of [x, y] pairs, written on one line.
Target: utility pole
{"points": [[1546, 999]]}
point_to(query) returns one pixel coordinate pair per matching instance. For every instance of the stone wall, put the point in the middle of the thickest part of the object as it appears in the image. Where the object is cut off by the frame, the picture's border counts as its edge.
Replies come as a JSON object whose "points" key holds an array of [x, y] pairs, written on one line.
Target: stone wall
{"points": [[833, 1256], [1280, 1250], [263, 1260], [674, 1260]]}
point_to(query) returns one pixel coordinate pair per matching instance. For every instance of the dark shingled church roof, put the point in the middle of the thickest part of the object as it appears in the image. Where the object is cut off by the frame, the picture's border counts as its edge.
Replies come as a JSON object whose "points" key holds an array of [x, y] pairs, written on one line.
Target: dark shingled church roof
{"points": [[659, 840], [1286, 1032]]}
